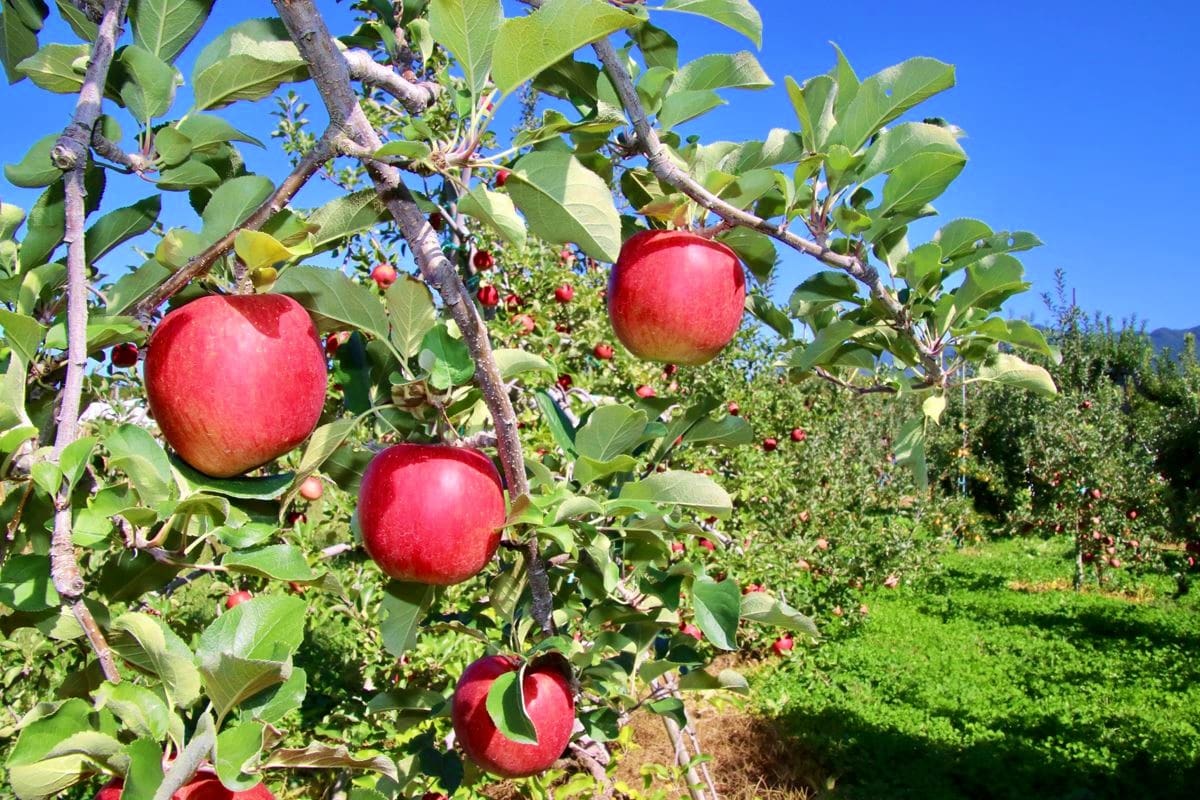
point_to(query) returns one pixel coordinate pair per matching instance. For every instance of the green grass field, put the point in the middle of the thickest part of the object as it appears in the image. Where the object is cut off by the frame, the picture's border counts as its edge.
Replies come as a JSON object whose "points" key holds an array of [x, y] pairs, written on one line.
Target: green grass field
{"points": [[990, 681]]}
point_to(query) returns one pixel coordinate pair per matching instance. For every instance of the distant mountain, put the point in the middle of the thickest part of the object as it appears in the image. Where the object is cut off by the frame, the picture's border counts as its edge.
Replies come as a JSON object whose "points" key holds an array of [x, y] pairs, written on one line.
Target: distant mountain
{"points": [[1172, 338]]}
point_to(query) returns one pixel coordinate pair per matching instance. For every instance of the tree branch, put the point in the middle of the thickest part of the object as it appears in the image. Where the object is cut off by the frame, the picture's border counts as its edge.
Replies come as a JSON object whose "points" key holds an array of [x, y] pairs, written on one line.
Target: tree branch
{"points": [[313, 160], [70, 153], [106, 148], [331, 73], [415, 97]]}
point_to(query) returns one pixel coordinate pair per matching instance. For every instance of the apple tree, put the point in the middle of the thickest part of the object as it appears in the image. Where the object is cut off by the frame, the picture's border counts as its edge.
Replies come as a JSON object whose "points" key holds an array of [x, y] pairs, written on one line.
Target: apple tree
{"points": [[262, 367]]}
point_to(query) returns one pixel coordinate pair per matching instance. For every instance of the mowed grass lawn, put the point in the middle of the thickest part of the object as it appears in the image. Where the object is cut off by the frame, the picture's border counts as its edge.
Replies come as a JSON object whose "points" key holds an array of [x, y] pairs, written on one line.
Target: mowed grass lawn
{"points": [[990, 681]]}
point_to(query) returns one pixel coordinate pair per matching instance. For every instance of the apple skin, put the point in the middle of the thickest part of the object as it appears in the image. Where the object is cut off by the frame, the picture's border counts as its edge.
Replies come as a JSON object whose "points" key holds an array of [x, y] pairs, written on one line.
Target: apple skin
{"points": [[204, 786], [524, 323], [677, 297], [502, 177], [734, 409], [384, 275], [565, 293], [799, 434], [603, 351], [431, 513], [488, 296], [483, 260], [124, 355], [237, 598], [783, 645], [312, 488], [548, 702], [770, 444], [645, 391], [236, 381], [688, 629]]}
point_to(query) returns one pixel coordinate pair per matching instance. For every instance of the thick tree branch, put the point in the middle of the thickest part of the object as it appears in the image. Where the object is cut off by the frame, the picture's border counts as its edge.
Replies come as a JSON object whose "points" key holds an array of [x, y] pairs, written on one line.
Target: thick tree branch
{"points": [[313, 160], [415, 97], [331, 73], [70, 153]]}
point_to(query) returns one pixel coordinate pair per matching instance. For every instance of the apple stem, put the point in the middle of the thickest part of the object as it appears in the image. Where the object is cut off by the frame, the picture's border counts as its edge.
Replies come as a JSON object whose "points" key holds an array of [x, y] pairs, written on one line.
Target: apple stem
{"points": [[332, 76], [70, 154]]}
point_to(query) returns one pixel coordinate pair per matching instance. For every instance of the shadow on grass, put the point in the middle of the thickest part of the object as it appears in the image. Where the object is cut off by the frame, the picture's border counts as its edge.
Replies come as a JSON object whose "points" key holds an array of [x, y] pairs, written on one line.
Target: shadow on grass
{"points": [[871, 762]]}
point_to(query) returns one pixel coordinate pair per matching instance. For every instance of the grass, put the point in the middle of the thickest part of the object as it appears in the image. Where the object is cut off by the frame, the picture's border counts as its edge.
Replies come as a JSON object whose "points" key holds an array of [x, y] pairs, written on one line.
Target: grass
{"points": [[989, 680]]}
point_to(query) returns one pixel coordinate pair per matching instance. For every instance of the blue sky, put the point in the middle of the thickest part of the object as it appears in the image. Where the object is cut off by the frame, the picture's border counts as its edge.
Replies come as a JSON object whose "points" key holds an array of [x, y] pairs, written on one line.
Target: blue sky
{"points": [[1077, 116]]}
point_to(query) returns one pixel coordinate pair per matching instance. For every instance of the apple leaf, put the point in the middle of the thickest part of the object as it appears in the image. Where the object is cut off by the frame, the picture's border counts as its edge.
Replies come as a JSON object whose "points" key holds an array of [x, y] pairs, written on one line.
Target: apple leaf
{"points": [[283, 562], [404, 606], [769, 610], [468, 29], [610, 431], [412, 313], [506, 707], [150, 645], [738, 15], [164, 27], [717, 605], [235, 754], [246, 62], [563, 201], [35, 169], [681, 488], [495, 209], [323, 756], [334, 300]]}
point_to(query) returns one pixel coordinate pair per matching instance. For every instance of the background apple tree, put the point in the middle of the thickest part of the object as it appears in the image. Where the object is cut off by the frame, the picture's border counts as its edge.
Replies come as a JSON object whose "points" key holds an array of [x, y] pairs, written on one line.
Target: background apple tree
{"points": [[104, 524]]}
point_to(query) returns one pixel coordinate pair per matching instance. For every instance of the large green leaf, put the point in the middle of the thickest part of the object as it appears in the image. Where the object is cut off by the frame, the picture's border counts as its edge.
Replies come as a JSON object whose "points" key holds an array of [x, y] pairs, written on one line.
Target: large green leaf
{"points": [[565, 202], [717, 605], [404, 606], [146, 83], [739, 15], [825, 343], [721, 71], [249, 648], [919, 180], [25, 583], [57, 67], [205, 130], [680, 488], [345, 216], [411, 311], [496, 210], [610, 431], [121, 225], [282, 562], [18, 38], [35, 169], [770, 610], [888, 94], [528, 45], [506, 707], [247, 62], [231, 203], [236, 753], [149, 644], [164, 27], [141, 710], [334, 300], [140, 456], [468, 29], [1010, 370], [899, 144]]}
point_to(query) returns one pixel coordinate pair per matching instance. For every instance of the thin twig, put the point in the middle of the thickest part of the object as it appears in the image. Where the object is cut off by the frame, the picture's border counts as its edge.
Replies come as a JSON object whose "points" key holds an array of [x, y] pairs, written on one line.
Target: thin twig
{"points": [[70, 154], [106, 148]]}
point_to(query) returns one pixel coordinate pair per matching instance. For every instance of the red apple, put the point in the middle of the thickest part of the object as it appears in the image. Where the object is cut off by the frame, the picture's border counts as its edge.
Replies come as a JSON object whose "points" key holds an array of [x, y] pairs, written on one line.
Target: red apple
{"points": [[734, 409], [891, 581], [645, 391], [677, 547], [431, 513], [1115, 563], [335, 340], [524, 323], [799, 434], [675, 296], [513, 301], [769, 444], [753, 587], [688, 629], [1133, 514], [502, 177], [708, 545], [235, 381], [312, 488], [296, 518], [548, 703], [124, 355], [483, 260], [783, 644], [565, 293], [237, 598], [436, 221], [564, 382], [384, 275], [204, 785], [488, 296], [603, 351]]}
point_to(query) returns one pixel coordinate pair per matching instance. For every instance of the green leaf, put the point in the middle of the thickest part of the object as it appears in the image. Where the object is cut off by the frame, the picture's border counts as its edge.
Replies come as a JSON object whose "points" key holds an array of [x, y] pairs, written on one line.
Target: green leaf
{"points": [[1010, 370], [260, 249], [588, 470], [74, 459], [404, 606], [139, 455], [468, 29], [145, 771], [513, 362], [57, 68], [717, 605], [919, 180], [727, 679], [282, 562], [164, 27], [847, 82], [933, 407], [681, 106], [755, 249], [22, 333], [565, 202], [610, 431], [528, 45], [405, 149], [345, 216], [739, 15], [813, 103], [769, 313], [910, 450], [150, 645], [323, 756], [827, 286], [271, 705], [897, 145], [988, 284], [888, 94], [172, 146], [411, 311], [770, 610], [446, 359], [323, 442], [728, 431], [18, 39], [680, 488], [334, 300], [35, 169], [247, 62], [506, 707], [266, 487], [721, 71], [68, 762], [190, 174], [231, 203], [561, 427], [826, 343], [235, 754], [139, 709], [121, 225], [206, 130], [496, 210], [25, 583], [147, 83]]}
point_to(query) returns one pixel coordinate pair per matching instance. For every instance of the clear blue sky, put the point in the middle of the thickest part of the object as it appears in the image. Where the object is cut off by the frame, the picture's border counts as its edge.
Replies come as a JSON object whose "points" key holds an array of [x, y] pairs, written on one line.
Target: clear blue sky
{"points": [[1078, 117]]}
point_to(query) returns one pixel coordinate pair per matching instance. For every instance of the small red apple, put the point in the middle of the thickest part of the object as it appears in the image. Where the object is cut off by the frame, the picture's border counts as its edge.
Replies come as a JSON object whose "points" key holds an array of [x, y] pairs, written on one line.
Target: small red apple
{"points": [[799, 434], [603, 351], [564, 382], [312, 488], [1097, 494], [548, 703], [483, 260], [734, 409], [645, 391], [677, 547], [769, 444], [1115, 563], [295, 518], [235, 381], [783, 644], [436, 220], [502, 177], [565, 293], [524, 323], [1132, 514], [677, 297], [753, 587], [822, 544], [670, 369], [431, 513], [562, 327], [124, 355], [384, 275], [335, 340], [237, 598], [708, 545], [488, 296], [688, 629], [513, 301]]}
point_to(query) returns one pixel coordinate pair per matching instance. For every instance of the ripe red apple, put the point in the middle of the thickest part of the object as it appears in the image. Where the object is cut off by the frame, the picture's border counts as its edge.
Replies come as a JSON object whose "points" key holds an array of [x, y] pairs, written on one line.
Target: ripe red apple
{"points": [[562, 327], [237, 598], [603, 351], [564, 382], [431, 513], [565, 293], [675, 296], [384, 275], [677, 547], [1133, 514], [124, 355], [335, 340], [483, 260], [1115, 563], [312, 488], [235, 381], [688, 629], [708, 545], [513, 301], [799, 434], [502, 177], [1096, 494], [436, 221], [645, 391], [205, 785], [783, 644], [548, 703], [769, 444], [488, 296], [734, 409], [524, 323]]}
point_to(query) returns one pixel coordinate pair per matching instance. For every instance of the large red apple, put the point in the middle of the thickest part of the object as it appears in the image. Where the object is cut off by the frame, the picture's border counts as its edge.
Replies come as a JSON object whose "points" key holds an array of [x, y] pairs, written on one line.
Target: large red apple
{"points": [[675, 296], [204, 786], [431, 513], [548, 702], [235, 381]]}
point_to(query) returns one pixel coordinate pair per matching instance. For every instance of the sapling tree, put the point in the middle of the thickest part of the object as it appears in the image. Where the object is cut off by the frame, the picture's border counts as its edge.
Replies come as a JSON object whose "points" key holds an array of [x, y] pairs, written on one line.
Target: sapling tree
{"points": [[572, 585]]}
